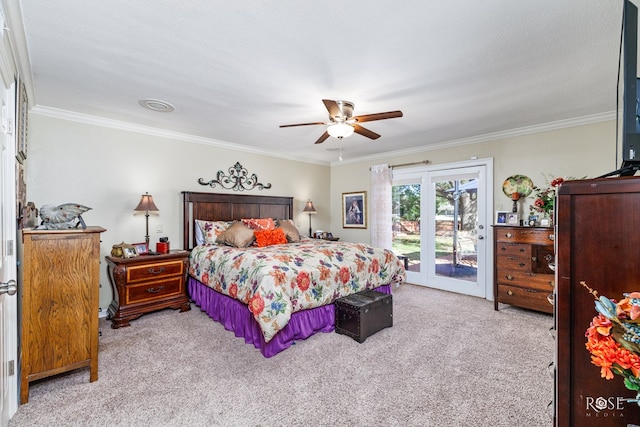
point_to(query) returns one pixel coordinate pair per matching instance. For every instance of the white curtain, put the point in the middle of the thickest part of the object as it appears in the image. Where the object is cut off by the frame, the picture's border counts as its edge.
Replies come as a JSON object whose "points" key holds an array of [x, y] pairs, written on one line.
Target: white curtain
{"points": [[380, 206]]}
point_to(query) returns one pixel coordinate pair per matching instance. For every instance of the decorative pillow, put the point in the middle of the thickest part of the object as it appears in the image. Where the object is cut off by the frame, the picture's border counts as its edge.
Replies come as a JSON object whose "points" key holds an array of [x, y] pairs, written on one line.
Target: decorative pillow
{"points": [[259, 223], [237, 235], [270, 237], [290, 230], [208, 231]]}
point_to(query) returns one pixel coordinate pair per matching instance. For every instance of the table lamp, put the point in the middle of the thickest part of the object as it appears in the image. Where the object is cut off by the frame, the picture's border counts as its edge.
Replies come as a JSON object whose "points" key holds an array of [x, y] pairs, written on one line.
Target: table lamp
{"points": [[146, 205]]}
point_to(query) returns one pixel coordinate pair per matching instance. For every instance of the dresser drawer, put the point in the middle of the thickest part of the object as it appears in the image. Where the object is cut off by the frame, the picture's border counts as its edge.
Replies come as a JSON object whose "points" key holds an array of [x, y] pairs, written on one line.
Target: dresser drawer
{"points": [[525, 297], [513, 250], [534, 236], [153, 290], [543, 282], [515, 264], [156, 270]]}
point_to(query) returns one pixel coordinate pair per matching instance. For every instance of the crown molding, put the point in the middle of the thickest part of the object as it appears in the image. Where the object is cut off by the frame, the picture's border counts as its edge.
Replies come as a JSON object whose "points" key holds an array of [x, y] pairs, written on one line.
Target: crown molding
{"points": [[153, 131], [527, 130]]}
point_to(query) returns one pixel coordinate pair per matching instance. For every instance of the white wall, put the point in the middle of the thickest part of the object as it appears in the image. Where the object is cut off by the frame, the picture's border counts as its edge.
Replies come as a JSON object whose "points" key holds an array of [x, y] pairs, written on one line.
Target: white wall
{"points": [[109, 169], [587, 150]]}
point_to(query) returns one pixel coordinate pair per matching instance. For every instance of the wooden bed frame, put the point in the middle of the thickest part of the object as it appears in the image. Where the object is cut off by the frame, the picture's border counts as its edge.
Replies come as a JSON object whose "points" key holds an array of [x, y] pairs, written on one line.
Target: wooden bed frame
{"points": [[229, 207]]}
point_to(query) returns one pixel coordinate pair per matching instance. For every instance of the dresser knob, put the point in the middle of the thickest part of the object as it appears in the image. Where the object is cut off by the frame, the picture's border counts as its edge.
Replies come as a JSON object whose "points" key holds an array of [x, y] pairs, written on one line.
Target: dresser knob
{"points": [[552, 236], [510, 292], [509, 277], [509, 235]]}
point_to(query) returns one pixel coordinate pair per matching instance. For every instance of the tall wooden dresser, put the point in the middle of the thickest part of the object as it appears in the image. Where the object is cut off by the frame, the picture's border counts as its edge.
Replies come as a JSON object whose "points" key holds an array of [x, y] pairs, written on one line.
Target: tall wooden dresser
{"points": [[522, 275], [60, 287], [598, 242]]}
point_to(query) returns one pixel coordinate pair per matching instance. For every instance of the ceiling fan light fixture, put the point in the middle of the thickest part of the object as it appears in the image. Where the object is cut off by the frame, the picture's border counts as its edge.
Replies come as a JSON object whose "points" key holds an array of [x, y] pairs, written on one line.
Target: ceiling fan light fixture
{"points": [[340, 130]]}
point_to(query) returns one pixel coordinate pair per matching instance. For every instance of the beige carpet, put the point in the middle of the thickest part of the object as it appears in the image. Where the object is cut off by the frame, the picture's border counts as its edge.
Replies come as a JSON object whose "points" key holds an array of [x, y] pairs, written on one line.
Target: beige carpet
{"points": [[449, 360]]}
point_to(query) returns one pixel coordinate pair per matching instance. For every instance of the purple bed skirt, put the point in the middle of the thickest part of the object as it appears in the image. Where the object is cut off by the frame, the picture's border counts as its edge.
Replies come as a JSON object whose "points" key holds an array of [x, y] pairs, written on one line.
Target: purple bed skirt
{"points": [[235, 316]]}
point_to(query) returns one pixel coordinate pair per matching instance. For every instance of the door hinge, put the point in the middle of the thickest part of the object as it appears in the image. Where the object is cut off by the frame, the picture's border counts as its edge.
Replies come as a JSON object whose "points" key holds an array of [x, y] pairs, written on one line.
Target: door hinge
{"points": [[11, 368]]}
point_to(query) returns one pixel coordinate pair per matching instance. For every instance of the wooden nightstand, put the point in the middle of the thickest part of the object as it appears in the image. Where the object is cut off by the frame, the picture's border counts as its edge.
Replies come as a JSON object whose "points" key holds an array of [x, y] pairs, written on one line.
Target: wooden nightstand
{"points": [[147, 283]]}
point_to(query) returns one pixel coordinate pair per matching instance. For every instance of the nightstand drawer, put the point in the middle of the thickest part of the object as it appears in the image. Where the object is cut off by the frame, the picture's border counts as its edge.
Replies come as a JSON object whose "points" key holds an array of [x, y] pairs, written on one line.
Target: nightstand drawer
{"points": [[155, 270], [153, 290]]}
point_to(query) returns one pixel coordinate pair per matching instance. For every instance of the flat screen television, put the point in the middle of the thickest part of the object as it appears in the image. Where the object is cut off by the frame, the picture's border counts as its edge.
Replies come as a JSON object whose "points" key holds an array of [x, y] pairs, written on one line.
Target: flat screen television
{"points": [[631, 96]]}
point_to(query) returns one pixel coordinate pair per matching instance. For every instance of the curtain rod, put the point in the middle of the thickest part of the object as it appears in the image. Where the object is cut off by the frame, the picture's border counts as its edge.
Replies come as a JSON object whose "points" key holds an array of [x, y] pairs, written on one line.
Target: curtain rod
{"points": [[424, 162]]}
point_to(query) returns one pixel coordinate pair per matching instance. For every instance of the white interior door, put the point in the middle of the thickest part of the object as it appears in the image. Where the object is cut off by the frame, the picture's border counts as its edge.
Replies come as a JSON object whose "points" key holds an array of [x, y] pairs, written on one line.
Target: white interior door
{"points": [[8, 273]]}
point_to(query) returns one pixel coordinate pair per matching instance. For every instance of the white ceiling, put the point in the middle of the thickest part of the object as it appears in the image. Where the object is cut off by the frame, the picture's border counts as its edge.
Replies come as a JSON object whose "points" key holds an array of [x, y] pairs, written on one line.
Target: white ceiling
{"points": [[236, 70]]}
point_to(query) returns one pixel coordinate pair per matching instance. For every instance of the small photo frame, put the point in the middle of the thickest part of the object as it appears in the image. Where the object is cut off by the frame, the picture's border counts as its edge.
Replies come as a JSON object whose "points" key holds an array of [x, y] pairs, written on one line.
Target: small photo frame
{"points": [[533, 220], [129, 251], [501, 217], [513, 218], [354, 210], [545, 222], [141, 248]]}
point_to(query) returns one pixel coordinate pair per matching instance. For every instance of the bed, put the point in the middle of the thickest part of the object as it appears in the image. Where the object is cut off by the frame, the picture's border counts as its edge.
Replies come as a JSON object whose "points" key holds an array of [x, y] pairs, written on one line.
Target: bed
{"points": [[276, 294]]}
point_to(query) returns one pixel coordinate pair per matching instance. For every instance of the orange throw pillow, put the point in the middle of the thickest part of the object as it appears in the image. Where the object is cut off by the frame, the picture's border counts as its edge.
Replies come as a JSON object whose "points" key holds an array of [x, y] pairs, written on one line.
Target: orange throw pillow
{"points": [[270, 237]]}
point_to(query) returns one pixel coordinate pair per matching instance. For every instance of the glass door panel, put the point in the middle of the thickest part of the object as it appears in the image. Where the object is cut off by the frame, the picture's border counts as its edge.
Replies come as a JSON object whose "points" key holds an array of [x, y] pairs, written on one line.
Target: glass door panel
{"points": [[406, 224]]}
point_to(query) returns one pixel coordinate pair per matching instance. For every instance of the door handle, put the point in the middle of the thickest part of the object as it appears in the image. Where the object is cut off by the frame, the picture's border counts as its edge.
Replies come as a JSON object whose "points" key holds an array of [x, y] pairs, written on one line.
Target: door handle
{"points": [[480, 237], [8, 288]]}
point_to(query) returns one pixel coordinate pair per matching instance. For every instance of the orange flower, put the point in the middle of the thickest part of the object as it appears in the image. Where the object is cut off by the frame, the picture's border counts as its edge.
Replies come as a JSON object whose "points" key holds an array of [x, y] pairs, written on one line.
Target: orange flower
{"points": [[375, 266], [303, 280], [278, 276], [324, 273], [233, 290], [256, 305], [625, 309], [600, 325], [344, 275]]}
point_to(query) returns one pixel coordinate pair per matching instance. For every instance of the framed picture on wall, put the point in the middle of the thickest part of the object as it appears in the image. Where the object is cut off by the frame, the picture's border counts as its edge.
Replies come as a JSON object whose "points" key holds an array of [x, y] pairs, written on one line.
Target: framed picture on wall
{"points": [[21, 127], [354, 210]]}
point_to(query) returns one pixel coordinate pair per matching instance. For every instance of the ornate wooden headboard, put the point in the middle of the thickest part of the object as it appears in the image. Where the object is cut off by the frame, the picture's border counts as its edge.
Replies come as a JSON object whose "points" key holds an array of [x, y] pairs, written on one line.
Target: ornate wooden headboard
{"points": [[229, 207]]}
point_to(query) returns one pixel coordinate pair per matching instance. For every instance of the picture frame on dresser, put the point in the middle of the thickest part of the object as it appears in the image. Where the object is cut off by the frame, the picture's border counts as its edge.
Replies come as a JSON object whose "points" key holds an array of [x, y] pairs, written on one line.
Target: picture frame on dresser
{"points": [[141, 248], [513, 218], [129, 251], [501, 218]]}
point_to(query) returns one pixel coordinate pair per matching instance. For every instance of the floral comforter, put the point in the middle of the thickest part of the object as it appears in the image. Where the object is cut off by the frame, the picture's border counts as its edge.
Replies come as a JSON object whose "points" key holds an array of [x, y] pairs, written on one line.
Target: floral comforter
{"points": [[276, 281]]}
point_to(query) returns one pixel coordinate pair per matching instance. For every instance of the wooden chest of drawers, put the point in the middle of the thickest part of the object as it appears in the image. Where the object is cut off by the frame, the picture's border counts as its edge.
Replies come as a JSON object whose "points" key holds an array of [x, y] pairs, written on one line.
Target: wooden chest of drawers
{"points": [[522, 274], [147, 283], [60, 286]]}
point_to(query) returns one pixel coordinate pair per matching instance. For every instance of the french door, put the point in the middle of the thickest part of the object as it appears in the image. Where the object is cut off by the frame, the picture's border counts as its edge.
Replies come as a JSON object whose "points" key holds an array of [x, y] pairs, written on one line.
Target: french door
{"points": [[440, 226]]}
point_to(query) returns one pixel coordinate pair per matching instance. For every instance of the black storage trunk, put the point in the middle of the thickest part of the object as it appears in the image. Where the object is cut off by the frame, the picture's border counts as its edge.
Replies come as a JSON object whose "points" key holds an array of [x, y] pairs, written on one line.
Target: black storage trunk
{"points": [[363, 314]]}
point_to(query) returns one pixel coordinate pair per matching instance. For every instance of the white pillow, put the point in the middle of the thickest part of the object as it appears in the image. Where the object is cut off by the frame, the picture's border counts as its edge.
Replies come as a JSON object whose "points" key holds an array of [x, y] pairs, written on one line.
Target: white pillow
{"points": [[208, 231]]}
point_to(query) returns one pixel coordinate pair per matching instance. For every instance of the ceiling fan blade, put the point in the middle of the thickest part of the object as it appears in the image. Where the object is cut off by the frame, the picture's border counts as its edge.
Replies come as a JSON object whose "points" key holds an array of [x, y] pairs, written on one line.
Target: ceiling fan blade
{"points": [[378, 116], [332, 107], [365, 132], [322, 138], [303, 124]]}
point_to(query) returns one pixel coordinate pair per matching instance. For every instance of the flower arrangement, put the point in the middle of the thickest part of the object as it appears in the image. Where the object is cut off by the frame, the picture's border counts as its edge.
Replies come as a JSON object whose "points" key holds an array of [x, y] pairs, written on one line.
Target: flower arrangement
{"points": [[613, 339], [545, 198]]}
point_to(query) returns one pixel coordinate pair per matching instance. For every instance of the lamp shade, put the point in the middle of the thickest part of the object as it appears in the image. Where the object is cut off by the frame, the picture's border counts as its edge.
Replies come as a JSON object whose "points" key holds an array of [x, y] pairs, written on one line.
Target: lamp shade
{"points": [[308, 208], [340, 130], [146, 204]]}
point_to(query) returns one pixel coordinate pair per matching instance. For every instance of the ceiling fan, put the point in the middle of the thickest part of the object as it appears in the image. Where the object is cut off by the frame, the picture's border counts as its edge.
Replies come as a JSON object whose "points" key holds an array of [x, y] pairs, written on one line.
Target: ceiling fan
{"points": [[342, 123]]}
